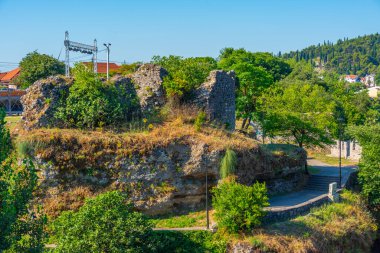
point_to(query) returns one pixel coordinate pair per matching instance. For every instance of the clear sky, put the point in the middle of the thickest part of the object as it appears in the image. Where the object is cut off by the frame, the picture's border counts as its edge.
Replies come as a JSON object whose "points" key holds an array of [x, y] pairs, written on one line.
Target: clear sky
{"points": [[139, 29]]}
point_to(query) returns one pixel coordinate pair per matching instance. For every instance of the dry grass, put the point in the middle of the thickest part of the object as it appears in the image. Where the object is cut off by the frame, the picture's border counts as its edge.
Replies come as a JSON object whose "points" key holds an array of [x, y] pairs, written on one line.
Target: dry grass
{"points": [[338, 227], [324, 157], [71, 148], [68, 200], [192, 219]]}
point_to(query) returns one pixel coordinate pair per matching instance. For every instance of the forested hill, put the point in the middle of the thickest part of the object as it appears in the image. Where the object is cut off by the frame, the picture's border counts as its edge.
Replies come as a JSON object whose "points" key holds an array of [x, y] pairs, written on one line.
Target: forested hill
{"points": [[348, 56]]}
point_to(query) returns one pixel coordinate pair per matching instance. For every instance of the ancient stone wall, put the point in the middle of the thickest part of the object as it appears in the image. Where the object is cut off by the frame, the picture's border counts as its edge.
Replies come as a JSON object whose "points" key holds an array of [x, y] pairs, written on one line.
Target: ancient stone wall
{"points": [[217, 98], [42, 99]]}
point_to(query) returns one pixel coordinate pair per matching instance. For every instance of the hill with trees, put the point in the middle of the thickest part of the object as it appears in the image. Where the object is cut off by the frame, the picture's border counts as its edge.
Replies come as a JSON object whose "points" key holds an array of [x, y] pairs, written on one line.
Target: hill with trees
{"points": [[358, 56]]}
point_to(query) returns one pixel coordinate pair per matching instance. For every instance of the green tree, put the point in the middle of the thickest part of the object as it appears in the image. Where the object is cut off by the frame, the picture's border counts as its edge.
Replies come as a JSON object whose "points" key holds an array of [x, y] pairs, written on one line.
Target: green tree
{"points": [[184, 74], [103, 224], [369, 166], [5, 140], [93, 104], [239, 207], [21, 229], [255, 73], [301, 111], [35, 66]]}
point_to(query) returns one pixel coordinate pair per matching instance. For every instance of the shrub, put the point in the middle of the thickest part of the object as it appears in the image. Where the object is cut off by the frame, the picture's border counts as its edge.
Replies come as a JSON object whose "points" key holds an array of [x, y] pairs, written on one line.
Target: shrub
{"points": [[228, 163], [186, 74], [92, 104], [21, 230], [199, 121], [239, 207], [103, 224], [5, 139]]}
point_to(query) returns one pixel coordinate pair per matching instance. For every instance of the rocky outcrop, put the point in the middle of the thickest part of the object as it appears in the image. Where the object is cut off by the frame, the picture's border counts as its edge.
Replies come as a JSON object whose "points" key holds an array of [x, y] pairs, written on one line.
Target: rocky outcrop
{"points": [[161, 177], [217, 98], [41, 100]]}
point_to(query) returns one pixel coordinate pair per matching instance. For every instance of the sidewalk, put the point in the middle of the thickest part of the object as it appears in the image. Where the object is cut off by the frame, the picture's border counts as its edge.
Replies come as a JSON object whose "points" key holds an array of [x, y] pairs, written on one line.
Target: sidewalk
{"points": [[299, 197]]}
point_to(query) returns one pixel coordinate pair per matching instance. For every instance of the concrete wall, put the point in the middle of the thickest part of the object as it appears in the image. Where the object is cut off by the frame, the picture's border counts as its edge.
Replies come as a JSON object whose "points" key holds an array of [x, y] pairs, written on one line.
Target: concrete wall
{"points": [[350, 150]]}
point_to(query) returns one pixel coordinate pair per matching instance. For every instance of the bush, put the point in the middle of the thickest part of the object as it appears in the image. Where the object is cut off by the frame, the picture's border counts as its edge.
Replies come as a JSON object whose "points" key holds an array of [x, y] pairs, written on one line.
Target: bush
{"points": [[228, 163], [92, 104], [5, 139], [21, 230], [186, 74], [239, 207], [199, 121], [103, 224]]}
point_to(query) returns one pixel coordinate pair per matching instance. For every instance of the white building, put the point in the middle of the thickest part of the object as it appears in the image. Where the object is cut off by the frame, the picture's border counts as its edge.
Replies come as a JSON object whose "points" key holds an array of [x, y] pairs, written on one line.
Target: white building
{"points": [[352, 78], [373, 92], [369, 80]]}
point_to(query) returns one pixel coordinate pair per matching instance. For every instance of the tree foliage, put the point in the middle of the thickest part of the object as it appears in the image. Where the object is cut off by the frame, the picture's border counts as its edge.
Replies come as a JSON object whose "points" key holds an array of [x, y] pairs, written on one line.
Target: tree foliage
{"points": [[239, 207], [5, 140], [355, 56], [369, 167], [21, 230], [302, 111], [35, 66], [103, 224], [92, 103], [255, 73], [184, 74]]}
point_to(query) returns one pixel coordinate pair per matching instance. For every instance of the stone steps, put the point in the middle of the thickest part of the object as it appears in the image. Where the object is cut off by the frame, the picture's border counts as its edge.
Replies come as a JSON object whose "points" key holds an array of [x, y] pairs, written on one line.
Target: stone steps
{"points": [[320, 183]]}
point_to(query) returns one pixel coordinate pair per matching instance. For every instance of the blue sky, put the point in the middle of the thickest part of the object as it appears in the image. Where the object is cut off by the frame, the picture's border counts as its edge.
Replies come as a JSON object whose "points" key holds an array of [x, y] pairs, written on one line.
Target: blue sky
{"points": [[140, 29]]}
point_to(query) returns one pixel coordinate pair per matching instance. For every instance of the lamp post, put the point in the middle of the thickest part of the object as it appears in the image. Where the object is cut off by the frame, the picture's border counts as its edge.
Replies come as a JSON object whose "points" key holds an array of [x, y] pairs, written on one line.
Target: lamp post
{"points": [[340, 120], [207, 213], [108, 59]]}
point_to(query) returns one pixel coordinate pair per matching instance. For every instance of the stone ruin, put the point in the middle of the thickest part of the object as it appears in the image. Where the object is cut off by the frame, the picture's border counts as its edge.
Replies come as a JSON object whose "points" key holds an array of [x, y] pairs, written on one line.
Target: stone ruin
{"points": [[41, 100], [216, 97], [147, 82]]}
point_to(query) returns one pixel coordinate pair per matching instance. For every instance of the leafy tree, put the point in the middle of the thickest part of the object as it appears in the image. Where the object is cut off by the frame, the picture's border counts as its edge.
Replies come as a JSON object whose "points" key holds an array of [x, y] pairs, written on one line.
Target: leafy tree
{"points": [[369, 166], [5, 140], [239, 207], [377, 77], [126, 69], [93, 104], [255, 73], [184, 74], [103, 224], [355, 56], [21, 230], [35, 66], [301, 111]]}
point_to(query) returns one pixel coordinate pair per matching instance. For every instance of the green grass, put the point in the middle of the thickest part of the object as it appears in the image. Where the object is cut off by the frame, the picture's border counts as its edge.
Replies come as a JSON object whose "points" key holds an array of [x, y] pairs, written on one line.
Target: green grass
{"points": [[12, 121], [193, 219], [279, 149], [331, 160]]}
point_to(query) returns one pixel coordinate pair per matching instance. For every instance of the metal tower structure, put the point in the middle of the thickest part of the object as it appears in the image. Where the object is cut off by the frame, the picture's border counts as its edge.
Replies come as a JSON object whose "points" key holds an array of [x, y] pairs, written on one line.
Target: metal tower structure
{"points": [[82, 48]]}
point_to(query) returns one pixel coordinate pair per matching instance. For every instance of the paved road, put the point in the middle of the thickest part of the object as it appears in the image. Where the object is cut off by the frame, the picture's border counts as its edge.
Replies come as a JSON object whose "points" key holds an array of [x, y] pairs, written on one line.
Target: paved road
{"points": [[322, 169]]}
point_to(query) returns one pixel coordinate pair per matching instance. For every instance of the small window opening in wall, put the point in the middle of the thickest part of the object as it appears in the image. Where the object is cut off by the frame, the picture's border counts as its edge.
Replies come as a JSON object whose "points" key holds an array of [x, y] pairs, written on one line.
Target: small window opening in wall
{"points": [[353, 145]]}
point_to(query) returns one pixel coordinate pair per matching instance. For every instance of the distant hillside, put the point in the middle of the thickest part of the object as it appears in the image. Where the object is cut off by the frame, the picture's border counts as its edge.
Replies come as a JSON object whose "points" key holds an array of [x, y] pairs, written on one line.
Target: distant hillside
{"points": [[348, 56]]}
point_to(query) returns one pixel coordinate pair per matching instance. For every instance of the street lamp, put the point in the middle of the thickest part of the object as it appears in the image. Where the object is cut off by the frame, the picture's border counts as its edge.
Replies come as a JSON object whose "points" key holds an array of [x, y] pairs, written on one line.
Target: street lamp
{"points": [[108, 59], [207, 213], [340, 120]]}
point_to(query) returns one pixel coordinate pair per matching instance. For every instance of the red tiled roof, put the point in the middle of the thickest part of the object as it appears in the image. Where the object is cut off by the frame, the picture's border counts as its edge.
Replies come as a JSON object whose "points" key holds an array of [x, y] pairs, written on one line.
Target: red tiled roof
{"points": [[2, 75], [102, 66], [12, 93], [10, 75], [352, 76]]}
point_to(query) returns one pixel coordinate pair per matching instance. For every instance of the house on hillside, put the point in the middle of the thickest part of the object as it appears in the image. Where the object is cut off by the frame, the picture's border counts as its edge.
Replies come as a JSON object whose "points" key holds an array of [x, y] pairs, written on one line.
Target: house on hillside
{"points": [[352, 78], [102, 66], [7, 79]]}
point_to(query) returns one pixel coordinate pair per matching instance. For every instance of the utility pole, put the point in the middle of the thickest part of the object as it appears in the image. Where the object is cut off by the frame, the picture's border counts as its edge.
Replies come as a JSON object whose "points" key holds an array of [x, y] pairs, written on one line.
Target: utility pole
{"points": [[108, 59], [207, 213]]}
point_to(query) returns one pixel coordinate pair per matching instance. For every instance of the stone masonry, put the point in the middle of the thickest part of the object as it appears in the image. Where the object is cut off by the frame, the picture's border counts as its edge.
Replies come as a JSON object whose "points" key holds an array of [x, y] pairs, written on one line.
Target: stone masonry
{"points": [[41, 100], [217, 98]]}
